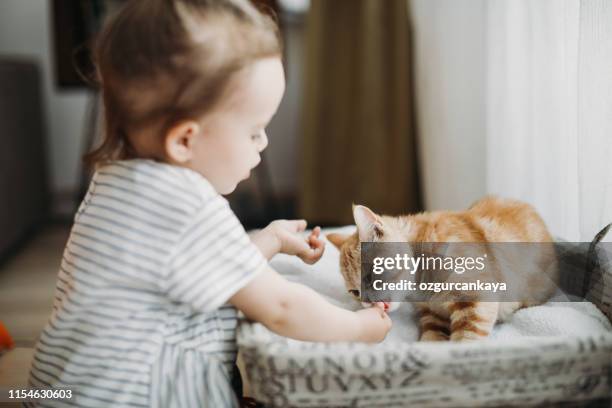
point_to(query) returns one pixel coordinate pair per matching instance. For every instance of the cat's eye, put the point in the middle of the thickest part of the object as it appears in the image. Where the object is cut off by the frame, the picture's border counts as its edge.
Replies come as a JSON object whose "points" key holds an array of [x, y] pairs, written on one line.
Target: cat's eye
{"points": [[354, 292]]}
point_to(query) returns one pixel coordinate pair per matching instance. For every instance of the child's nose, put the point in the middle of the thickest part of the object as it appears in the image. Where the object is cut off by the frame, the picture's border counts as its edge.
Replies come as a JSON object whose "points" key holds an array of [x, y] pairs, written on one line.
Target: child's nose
{"points": [[263, 142]]}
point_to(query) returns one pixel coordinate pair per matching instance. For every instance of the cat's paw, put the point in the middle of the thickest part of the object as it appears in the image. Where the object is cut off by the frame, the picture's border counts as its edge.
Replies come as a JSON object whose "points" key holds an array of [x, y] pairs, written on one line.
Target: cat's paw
{"points": [[431, 335]]}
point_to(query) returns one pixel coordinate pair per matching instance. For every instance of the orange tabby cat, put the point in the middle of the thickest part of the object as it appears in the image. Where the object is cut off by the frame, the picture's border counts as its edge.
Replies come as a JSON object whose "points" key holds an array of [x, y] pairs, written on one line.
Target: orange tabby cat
{"points": [[491, 219]]}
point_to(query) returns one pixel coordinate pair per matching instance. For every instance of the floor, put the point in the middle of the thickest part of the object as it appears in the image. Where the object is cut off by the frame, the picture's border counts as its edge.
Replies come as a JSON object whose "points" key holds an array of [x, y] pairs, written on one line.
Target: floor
{"points": [[27, 284]]}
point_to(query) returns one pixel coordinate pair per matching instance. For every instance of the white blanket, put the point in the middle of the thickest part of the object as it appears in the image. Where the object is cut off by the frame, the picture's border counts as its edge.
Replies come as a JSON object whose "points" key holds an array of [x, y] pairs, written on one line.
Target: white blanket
{"points": [[555, 318]]}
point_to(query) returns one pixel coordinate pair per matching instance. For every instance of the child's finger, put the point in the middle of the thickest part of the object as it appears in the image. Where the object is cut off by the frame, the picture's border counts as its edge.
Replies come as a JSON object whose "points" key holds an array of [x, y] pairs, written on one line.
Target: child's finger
{"points": [[316, 251], [316, 232], [317, 243], [314, 241], [319, 249], [301, 247], [380, 305], [384, 306], [299, 225], [311, 240]]}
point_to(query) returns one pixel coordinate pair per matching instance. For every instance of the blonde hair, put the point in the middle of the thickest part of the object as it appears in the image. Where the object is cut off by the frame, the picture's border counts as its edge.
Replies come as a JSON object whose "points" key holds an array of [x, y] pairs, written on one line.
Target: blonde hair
{"points": [[163, 61]]}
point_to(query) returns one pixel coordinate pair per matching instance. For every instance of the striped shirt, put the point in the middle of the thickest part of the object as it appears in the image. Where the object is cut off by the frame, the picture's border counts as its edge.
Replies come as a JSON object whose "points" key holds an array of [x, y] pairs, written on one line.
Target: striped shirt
{"points": [[140, 316]]}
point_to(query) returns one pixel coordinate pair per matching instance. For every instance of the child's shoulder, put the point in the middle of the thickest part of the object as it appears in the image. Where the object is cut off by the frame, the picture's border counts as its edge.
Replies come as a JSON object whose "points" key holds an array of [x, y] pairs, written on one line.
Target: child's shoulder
{"points": [[166, 184]]}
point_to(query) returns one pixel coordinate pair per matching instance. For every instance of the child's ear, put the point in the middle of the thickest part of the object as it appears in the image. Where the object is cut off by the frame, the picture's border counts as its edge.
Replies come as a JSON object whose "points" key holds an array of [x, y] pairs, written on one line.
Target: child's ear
{"points": [[180, 139], [369, 225], [337, 239]]}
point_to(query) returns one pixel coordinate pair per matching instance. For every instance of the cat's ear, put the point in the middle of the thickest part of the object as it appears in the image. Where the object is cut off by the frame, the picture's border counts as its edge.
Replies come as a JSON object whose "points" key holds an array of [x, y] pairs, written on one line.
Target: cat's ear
{"points": [[337, 239], [369, 225]]}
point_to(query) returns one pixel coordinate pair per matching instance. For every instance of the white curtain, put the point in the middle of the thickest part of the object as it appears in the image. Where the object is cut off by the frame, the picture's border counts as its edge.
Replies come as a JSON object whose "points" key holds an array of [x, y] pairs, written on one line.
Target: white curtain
{"points": [[549, 109], [449, 44], [515, 98]]}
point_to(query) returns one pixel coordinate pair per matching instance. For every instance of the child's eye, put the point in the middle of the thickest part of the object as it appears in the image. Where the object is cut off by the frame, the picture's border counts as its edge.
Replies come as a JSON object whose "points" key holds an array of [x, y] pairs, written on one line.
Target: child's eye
{"points": [[256, 137]]}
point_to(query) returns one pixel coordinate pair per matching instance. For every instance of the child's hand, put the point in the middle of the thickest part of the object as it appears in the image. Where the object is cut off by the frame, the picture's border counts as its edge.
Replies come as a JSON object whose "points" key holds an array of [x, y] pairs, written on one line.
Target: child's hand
{"points": [[375, 324], [287, 233]]}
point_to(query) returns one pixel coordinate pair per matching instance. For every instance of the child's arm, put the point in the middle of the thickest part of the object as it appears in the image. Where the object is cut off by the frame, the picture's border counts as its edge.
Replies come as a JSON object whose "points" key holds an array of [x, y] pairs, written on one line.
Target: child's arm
{"points": [[296, 311]]}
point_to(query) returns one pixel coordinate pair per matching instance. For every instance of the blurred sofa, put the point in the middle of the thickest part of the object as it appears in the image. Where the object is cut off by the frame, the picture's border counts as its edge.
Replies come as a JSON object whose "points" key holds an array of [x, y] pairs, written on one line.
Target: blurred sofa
{"points": [[24, 191]]}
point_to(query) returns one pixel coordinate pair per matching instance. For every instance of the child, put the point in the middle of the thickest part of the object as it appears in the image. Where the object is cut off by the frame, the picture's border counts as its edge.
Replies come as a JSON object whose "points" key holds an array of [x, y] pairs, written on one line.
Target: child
{"points": [[157, 264]]}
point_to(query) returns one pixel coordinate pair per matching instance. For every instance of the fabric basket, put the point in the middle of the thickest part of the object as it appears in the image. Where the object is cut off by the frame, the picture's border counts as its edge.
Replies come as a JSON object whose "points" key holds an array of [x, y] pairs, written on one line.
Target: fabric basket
{"points": [[542, 371]]}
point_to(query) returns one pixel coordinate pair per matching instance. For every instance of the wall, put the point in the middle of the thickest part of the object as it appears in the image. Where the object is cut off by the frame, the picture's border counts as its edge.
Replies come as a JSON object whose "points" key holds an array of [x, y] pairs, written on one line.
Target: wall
{"points": [[450, 84], [285, 128], [449, 39], [25, 31]]}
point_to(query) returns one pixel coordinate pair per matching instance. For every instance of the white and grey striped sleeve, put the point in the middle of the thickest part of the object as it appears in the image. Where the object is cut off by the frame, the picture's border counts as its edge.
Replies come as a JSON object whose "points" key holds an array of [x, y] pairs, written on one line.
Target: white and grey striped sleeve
{"points": [[213, 259]]}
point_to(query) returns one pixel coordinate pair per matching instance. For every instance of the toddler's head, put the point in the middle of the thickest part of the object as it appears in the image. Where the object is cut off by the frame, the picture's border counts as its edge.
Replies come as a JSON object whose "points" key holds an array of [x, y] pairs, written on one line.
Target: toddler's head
{"points": [[189, 82]]}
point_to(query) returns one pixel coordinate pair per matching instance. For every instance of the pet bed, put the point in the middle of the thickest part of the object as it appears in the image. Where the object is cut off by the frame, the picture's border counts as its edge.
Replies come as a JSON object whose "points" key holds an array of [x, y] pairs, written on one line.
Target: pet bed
{"points": [[559, 352]]}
